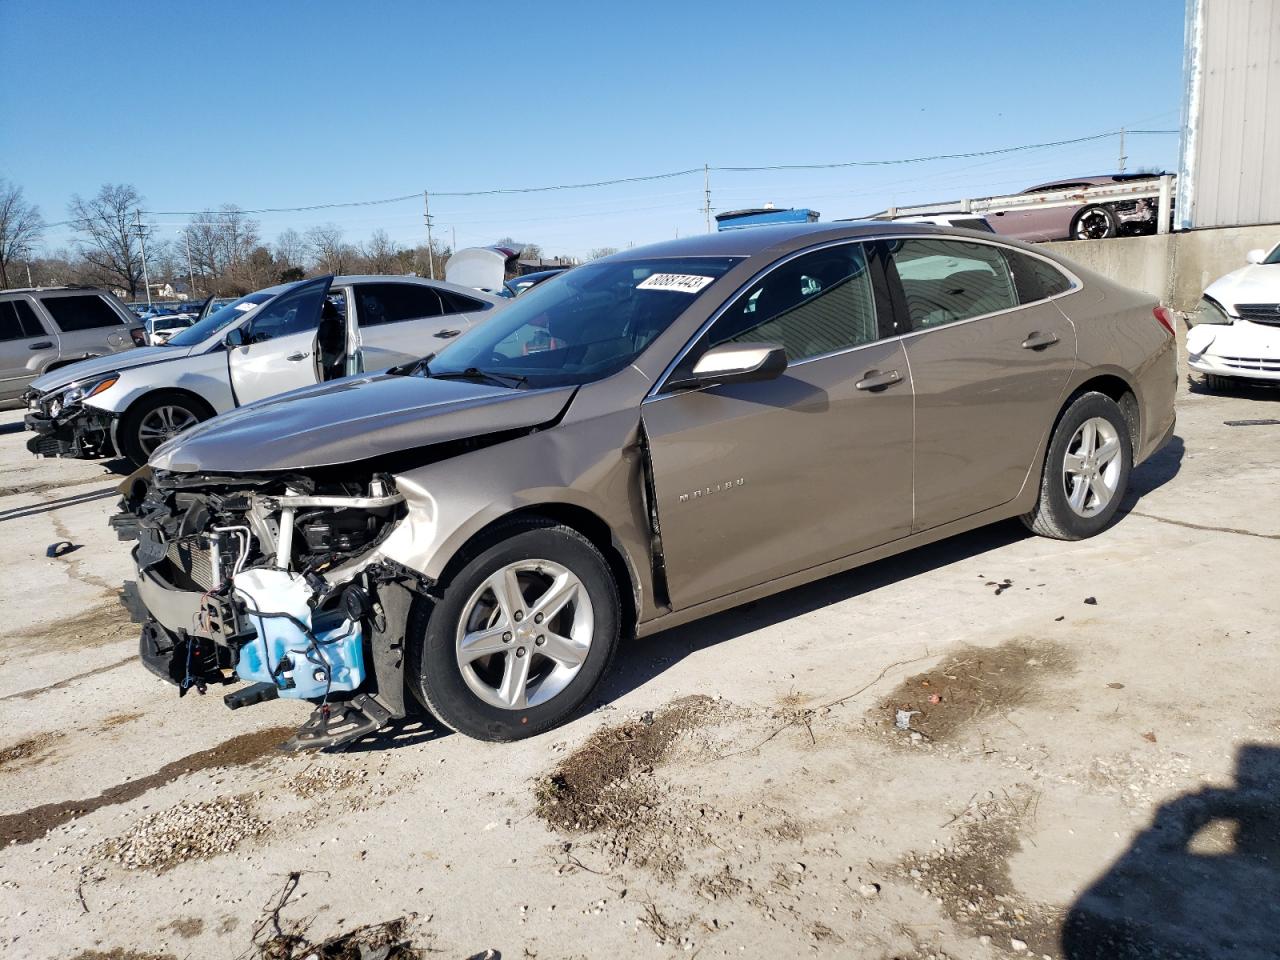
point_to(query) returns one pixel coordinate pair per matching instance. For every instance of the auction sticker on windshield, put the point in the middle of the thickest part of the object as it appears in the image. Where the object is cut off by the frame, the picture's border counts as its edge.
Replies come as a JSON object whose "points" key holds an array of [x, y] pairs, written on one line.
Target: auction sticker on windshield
{"points": [[680, 282]]}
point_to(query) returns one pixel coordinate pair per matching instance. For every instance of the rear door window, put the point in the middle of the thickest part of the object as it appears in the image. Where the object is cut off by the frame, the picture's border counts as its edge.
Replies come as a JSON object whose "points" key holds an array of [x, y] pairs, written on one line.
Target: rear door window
{"points": [[946, 281], [18, 321], [379, 303], [81, 312]]}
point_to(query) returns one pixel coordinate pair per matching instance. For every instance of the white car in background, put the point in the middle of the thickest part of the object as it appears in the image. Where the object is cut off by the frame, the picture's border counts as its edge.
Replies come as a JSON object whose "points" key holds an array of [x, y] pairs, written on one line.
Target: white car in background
{"points": [[283, 338], [1234, 332]]}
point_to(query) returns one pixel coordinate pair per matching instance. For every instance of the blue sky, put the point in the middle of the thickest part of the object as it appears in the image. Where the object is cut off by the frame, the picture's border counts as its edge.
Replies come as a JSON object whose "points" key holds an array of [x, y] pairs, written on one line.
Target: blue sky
{"points": [[289, 104]]}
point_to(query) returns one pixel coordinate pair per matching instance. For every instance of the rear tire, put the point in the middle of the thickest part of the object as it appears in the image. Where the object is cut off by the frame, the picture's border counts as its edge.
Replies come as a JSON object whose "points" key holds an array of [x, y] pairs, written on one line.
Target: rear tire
{"points": [[154, 419], [1086, 470], [1094, 222], [525, 679]]}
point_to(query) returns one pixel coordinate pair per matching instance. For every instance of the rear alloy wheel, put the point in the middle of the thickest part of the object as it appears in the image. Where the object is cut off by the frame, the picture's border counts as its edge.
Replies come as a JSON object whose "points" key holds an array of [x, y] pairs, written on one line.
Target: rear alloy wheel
{"points": [[521, 636], [1086, 470], [1094, 223], [154, 421]]}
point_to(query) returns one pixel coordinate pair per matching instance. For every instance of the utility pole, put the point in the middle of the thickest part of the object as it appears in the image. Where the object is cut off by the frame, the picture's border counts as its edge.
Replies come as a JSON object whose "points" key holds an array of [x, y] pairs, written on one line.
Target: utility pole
{"points": [[1123, 158], [454, 247], [706, 188], [29, 283], [191, 273], [426, 216], [142, 239]]}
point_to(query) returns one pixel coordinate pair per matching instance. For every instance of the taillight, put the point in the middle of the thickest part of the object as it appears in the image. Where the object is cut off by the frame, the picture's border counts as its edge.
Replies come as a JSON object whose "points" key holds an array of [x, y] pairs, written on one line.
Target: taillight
{"points": [[138, 336], [1165, 316]]}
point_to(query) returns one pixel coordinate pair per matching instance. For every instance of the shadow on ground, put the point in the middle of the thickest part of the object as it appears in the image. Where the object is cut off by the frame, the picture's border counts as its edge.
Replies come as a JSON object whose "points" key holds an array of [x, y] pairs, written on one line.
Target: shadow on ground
{"points": [[641, 660], [1203, 881]]}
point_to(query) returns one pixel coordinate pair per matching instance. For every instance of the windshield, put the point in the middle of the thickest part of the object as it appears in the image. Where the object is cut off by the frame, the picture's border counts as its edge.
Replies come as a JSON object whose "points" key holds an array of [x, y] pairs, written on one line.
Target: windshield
{"points": [[582, 325], [215, 321]]}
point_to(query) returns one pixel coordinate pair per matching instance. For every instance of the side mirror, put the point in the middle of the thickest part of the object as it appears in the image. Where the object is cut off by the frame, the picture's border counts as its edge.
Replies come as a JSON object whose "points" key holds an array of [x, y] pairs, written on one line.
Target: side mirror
{"points": [[236, 337], [737, 363], [1256, 256]]}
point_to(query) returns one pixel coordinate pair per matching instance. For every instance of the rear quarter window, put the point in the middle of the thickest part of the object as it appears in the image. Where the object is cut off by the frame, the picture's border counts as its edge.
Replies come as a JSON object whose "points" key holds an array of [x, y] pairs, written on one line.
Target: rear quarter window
{"points": [[1035, 279], [457, 303], [81, 312]]}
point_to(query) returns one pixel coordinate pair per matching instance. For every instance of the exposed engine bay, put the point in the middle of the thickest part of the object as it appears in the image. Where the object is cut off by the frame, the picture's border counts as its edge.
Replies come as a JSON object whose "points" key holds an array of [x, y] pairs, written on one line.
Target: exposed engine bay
{"points": [[272, 580]]}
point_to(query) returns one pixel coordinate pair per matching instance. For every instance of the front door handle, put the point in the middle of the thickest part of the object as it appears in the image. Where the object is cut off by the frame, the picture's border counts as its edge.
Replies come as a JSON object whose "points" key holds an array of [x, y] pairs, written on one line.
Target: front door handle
{"points": [[42, 345], [875, 380], [297, 356], [447, 333], [1038, 341]]}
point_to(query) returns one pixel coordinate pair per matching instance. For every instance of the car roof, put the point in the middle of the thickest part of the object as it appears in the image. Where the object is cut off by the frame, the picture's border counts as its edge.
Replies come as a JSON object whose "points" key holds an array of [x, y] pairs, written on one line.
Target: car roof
{"points": [[749, 241]]}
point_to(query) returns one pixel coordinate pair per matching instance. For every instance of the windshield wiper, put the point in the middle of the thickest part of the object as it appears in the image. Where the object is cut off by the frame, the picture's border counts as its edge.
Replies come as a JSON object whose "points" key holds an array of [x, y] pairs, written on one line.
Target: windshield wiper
{"points": [[413, 367], [475, 373]]}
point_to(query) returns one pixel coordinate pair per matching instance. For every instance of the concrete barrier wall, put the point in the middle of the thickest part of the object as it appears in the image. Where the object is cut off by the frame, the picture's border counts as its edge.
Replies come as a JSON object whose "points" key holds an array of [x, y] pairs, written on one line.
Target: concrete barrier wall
{"points": [[1176, 267]]}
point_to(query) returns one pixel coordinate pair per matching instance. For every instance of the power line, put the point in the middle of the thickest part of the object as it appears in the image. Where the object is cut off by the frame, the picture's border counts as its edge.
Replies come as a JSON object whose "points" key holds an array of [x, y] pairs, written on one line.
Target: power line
{"points": [[649, 178]]}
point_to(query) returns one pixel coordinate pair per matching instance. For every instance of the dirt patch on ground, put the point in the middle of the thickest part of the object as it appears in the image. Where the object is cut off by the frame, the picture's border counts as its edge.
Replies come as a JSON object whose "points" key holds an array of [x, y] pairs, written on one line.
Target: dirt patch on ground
{"points": [[970, 878], [185, 831], [121, 954], [971, 686], [120, 719], [317, 781], [186, 927], [609, 778], [34, 823], [17, 489], [29, 752], [104, 623]]}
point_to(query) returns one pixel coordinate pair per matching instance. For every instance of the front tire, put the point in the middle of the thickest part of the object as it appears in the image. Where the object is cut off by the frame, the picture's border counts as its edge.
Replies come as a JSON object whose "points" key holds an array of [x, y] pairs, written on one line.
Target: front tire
{"points": [[153, 420], [521, 636], [1086, 470]]}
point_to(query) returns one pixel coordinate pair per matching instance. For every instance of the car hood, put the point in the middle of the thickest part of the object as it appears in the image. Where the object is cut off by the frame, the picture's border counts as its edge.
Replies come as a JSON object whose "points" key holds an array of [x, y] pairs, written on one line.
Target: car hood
{"points": [[354, 419], [114, 362], [1256, 283]]}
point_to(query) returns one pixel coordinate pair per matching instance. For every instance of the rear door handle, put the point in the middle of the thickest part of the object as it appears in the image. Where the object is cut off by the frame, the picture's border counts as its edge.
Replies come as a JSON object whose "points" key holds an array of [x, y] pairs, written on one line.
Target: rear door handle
{"points": [[875, 380], [297, 356], [1038, 341], [42, 345], [447, 333]]}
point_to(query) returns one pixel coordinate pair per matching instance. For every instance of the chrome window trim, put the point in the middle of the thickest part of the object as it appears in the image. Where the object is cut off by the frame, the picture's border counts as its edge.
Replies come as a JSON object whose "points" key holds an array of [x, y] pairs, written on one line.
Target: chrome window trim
{"points": [[656, 392]]}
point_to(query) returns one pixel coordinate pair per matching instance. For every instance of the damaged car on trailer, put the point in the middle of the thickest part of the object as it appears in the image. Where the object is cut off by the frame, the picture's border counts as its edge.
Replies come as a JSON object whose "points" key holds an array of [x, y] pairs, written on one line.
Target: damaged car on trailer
{"points": [[644, 440]]}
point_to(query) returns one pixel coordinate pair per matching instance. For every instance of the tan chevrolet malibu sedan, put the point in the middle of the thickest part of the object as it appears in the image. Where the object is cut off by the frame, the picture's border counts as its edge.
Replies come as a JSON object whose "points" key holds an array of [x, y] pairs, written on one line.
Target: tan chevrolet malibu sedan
{"points": [[641, 441]]}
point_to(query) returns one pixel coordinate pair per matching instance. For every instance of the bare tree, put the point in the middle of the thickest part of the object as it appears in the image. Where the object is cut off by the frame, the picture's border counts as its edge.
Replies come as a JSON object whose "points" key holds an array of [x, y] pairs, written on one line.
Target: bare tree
{"points": [[599, 252], [221, 242], [109, 241], [20, 228], [290, 249], [330, 253], [381, 254]]}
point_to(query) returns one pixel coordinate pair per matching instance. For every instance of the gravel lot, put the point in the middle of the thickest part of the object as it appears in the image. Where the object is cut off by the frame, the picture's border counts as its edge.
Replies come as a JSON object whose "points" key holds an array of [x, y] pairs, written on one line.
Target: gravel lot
{"points": [[1090, 764]]}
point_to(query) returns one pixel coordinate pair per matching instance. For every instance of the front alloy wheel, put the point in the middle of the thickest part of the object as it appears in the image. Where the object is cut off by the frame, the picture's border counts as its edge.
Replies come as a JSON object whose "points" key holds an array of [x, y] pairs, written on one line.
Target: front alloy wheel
{"points": [[162, 424], [521, 633], [524, 634]]}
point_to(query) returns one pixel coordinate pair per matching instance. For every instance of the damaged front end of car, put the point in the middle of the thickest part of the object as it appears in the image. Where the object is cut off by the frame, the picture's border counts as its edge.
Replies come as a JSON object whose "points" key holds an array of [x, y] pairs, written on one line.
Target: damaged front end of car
{"points": [[64, 426], [273, 580]]}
